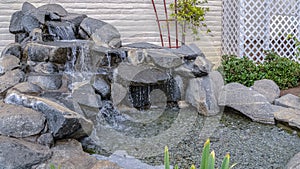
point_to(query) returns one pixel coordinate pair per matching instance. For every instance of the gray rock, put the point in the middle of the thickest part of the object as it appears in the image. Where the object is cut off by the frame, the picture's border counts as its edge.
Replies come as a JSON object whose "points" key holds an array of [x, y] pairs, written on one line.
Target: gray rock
{"points": [[107, 35], [18, 121], [16, 23], [185, 71], [62, 122], [140, 74], [21, 154], [189, 52], [164, 58], [46, 68], [126, 161], [89, 26], [12, 49], [200, 94], [249, 102], [294, 163], [88, 101], [69, 154], [136, 56], [289, 116], [61, 30], [30, 22], [54, 52], [217, 82], [46, 81], [46, 140], [74, 18], [55, 8], [101, 86], [289, 100], [10, 79], [268, 88], [54, 17], [195, 68], [27, 88], [27, 7], [8, 62], [36, 35], [118, 93], [21, 38]]}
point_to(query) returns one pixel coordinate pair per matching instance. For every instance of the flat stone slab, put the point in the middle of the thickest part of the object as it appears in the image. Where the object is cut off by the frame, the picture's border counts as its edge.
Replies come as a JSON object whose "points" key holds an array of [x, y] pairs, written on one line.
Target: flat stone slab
{"points": [[249, 102], [288, 115], [289, 100]]}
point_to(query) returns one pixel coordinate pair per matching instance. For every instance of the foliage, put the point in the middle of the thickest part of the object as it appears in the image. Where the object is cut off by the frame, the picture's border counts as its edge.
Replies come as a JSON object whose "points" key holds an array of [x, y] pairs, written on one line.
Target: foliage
{"points": [[297, 43], [207, 160], [283, 71], [190, 12], [52, 166]]}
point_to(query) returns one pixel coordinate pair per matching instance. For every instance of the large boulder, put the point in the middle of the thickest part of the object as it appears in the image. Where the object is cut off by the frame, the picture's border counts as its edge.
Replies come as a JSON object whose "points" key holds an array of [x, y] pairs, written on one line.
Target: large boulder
{"points": [[101, 32], [17, 121], [268, 88], [20, 154], [249, 102], [201, 94], [62, 122], [139, 74], [85, 100], [164, 58]]}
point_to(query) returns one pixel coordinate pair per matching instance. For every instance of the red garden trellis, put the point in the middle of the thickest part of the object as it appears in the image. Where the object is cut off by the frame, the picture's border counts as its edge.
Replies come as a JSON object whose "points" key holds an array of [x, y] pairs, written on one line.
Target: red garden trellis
{"points": [[167, 20]]}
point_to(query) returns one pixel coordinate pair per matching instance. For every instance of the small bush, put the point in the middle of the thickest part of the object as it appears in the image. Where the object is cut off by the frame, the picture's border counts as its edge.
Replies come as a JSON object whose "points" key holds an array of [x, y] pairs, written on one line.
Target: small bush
{"points": [[283, 71]]}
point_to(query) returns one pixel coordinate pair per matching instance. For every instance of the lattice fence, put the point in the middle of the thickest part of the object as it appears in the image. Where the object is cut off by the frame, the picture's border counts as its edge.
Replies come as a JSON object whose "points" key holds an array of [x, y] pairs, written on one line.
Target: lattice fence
{"points": [[251, 27]]}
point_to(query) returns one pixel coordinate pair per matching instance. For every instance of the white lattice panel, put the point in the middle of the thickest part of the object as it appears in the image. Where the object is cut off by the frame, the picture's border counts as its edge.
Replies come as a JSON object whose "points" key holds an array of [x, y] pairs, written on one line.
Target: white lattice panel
{"points": [[260, 25]]}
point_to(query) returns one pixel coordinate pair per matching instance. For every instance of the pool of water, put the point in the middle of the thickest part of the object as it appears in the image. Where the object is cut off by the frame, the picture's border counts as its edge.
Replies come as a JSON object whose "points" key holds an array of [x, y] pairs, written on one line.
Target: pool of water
{"points": [[184, 131], [251, 145]]}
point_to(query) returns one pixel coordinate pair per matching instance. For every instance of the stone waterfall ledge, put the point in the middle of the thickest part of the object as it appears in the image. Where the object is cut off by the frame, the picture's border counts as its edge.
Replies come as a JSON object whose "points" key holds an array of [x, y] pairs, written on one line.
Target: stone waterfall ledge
{"points": [[62, 122]]}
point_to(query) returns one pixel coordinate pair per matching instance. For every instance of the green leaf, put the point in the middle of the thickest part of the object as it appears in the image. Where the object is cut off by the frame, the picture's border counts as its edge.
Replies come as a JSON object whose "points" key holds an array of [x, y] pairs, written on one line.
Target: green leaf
{"points": [[167, 158], [211, 160], [193, 167], [205, 155], [225, 163]]}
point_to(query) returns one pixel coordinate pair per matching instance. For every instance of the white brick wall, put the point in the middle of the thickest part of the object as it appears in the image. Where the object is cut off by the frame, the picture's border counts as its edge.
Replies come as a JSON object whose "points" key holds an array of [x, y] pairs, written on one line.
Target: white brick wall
{"points": [[135, 19]]}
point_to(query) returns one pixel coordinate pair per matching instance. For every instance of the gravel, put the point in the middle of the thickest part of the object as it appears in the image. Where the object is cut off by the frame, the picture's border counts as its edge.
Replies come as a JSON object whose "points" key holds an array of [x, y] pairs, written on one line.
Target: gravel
{"points": [[251, 145]]}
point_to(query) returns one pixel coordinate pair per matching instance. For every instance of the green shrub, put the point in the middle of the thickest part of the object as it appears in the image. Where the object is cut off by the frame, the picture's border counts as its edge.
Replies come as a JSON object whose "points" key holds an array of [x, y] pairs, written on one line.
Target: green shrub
{"points": [[207, 160], [283, 71]]}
